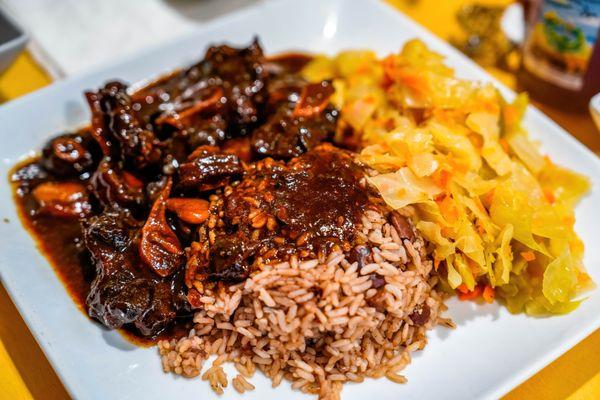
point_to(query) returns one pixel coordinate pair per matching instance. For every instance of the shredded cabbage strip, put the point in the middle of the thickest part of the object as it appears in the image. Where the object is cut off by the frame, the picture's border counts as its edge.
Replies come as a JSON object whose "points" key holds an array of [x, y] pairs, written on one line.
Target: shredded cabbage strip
{"points": [[496, 211]]}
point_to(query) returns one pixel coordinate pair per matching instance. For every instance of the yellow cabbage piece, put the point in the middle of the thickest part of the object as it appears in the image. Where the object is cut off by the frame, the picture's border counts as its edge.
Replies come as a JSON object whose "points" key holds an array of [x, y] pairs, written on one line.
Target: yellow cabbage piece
{"points": [[475, 184], [319, 69], [403, 187], [353, 63], [560, 279], [495, 210], [527, 152], [455, 143], [511, 206], [503, 262], [566, 186], [455, 279], [433, 233]]}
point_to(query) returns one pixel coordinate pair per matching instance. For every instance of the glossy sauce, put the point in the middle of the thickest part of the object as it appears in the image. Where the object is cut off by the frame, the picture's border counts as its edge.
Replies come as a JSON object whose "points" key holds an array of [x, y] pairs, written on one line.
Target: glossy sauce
{"points": [[59, 241], [313, 202]]}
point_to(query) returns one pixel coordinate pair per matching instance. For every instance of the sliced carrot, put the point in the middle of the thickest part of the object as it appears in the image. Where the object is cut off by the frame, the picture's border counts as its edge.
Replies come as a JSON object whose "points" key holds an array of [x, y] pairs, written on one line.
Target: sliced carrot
{"points": [[491, 107], [471, 295], [456, 165], [488, 198], [480, 227], [409, 77], [363, 69], [441, 178], [462, 288], [488, 294], [476, 141], [448, 209], [549, 196], [447, 231], [510, 115], [414, 81], [479, 204], [528, 255], [473, 266]]}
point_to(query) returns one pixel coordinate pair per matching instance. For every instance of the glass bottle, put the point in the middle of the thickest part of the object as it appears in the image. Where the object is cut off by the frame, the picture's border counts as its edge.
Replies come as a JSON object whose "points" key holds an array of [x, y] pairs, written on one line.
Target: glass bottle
{"points": [[561, 53]]}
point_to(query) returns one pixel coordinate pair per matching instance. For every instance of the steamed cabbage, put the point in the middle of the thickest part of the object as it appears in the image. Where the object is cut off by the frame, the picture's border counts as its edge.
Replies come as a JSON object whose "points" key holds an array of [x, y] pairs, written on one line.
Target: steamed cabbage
{"points": [[498, 213]]}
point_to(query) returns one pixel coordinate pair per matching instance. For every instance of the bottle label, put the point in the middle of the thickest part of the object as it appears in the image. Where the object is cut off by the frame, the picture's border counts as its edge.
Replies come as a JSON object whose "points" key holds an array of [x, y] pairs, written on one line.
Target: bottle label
{"points": [[561, 39]]}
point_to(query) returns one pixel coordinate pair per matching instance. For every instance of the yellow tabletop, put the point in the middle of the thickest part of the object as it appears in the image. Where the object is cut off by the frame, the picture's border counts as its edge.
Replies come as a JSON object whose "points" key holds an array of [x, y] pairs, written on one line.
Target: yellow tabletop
{"points": [[25, 373]]}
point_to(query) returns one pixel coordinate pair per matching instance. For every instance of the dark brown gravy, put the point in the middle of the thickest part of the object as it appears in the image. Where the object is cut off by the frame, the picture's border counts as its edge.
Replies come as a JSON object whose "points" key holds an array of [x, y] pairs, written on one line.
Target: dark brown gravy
{"points": [[58, 241]]}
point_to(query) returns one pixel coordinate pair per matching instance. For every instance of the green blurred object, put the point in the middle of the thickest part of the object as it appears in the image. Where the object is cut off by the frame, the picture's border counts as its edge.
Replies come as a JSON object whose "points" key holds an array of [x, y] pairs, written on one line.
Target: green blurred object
{"points": [[484, 41]]}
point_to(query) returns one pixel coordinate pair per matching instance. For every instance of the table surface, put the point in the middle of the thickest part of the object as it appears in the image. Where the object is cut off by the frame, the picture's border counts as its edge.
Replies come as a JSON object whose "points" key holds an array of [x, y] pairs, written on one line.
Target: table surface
{"points": [[25, 373]]}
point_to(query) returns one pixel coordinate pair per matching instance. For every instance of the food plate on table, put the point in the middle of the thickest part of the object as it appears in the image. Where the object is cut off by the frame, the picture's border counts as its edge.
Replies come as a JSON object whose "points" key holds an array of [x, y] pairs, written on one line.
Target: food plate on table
{"points": [[368, 236]]}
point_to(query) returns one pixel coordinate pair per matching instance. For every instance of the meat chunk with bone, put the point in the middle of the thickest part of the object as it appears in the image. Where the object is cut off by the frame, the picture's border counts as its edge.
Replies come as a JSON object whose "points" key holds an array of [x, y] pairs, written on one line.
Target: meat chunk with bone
{"points": [[117, 130], [125, 291], [209, 168], [70, 155], [218, 98], [115, 188], [302, 120], [300, 207]]}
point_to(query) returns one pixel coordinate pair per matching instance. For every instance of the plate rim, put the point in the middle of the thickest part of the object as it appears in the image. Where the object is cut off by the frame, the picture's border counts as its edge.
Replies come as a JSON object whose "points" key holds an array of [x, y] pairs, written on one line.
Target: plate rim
{"points": [[530, 369]]}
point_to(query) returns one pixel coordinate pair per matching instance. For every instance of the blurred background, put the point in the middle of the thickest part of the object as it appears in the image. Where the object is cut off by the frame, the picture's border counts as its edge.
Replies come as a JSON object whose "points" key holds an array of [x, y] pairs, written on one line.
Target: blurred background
{"points": [[547, 48]]}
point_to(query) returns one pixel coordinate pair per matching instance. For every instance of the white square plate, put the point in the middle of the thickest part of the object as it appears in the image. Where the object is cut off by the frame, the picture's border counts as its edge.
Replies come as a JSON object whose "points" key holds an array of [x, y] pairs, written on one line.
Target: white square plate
{"points": [[489, 353]]}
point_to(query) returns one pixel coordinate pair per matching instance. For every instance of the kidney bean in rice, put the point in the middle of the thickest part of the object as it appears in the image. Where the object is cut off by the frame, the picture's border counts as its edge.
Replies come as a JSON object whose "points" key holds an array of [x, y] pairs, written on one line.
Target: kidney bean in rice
{"points": [[322, 321]]}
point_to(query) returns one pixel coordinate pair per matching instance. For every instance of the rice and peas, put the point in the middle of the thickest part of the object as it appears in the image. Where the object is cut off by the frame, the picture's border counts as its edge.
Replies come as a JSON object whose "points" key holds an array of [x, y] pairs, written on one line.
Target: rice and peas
{"points": [[490, 216]]}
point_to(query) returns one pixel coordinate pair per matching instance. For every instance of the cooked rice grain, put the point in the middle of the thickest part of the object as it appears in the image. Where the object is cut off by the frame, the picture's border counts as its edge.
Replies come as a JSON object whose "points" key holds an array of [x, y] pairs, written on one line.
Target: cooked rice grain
{"points": [[316, 322]]}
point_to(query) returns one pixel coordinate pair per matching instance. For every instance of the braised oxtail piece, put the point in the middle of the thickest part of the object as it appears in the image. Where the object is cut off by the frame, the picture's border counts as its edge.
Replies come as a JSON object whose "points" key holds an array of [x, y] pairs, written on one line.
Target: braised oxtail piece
{"points": [[209, 168], [125, 292], [114, 188], [226, 150], [219, 98], [70, 155], [301, 121], [304, 207], [118, 131]]}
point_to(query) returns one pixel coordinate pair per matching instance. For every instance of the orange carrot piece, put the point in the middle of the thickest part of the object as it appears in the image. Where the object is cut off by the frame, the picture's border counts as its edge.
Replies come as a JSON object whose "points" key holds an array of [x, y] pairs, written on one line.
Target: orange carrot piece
{"points": [[472, 295], [462, 288], [528, 255], [488, 294], [488, 198], [549, 196], [441, 178]]}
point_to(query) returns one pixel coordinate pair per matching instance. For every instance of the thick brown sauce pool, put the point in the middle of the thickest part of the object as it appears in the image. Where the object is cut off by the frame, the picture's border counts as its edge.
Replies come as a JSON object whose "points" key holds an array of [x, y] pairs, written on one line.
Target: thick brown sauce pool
{"points": [[59, 241]]}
